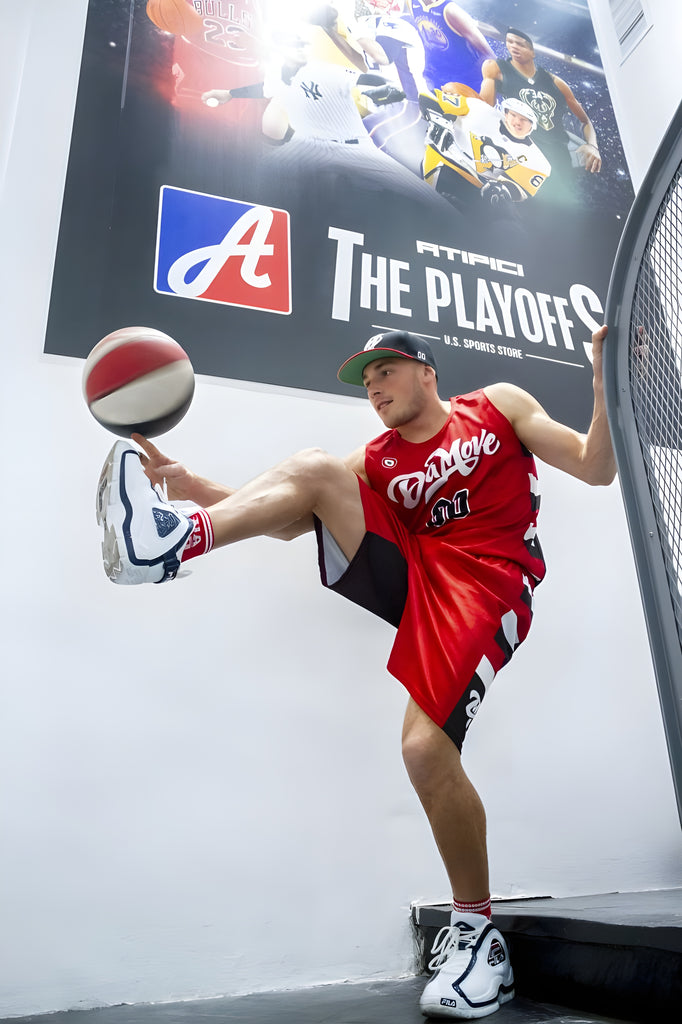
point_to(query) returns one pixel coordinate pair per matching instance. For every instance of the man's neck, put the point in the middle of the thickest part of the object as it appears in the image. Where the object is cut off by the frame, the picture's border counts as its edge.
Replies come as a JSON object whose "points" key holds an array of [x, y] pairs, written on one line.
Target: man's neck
{"points": [[527, 68], [428, 424]]}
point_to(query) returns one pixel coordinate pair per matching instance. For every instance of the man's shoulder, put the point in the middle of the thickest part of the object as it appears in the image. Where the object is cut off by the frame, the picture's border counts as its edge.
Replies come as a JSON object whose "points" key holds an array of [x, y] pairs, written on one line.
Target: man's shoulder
{"points": [[467, 397], [382, 439]]}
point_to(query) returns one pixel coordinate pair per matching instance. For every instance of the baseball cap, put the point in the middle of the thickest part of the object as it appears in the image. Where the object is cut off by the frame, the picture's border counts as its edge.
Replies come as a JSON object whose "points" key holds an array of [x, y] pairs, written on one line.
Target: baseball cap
{"points": [[390, 344]]}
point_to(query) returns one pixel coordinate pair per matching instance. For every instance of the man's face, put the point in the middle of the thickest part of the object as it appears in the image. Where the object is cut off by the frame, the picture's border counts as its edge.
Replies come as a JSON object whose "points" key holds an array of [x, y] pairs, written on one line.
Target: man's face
{"points": [[519, 48], [517, 125], [296, 53], [396, 389]]}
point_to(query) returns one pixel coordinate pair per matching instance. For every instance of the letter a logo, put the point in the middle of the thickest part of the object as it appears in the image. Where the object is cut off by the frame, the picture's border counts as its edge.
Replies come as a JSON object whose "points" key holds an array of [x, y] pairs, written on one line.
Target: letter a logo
{"points": [[223, 250]]}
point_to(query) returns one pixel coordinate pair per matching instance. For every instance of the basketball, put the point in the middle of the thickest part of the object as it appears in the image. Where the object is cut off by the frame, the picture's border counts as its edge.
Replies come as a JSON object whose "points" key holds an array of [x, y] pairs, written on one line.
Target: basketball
{"points": [[138, 380], [175, 16]]}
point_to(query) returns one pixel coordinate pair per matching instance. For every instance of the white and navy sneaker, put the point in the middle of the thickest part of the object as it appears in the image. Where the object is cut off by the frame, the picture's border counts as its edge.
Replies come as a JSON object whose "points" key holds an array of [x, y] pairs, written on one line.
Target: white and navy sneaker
{"points": [[473, 974], [143, 534]]}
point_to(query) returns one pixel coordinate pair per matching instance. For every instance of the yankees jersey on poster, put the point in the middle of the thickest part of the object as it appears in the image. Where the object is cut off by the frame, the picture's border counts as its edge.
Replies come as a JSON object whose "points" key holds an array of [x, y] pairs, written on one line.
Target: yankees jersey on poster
{"points": [[319, 101], [473, 485]]}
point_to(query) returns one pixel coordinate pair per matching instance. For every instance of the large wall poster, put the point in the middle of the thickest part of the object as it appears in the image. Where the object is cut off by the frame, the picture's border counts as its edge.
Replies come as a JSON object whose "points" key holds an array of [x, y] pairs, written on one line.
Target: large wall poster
{"points": [[372, 168]]}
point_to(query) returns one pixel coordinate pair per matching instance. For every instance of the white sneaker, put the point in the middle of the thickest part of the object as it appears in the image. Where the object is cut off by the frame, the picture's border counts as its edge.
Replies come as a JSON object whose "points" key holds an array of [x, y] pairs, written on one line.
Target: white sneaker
{"points": [[143, 534], [473, 974]]}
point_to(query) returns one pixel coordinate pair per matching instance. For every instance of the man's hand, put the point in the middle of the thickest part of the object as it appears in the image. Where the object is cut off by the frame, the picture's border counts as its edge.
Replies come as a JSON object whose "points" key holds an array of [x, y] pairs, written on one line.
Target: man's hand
{"points": [[589, 157], [179, 480], [216, 97], [597, 347]]}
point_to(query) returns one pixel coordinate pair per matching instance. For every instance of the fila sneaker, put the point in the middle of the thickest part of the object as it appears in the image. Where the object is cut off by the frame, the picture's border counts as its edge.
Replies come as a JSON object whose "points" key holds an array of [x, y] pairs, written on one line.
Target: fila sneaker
{"points": [[143, 534], [473, 974]]}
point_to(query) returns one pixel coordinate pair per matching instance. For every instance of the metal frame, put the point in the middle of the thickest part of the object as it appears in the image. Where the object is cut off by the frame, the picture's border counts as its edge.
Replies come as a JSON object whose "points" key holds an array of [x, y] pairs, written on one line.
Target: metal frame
{"points": [[648, 544]]}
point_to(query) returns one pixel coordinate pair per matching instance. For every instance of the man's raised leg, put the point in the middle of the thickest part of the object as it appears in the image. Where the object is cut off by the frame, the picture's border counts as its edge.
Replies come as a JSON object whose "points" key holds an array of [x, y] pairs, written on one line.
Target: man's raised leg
{"points": [[144, 535], [283, 500]]}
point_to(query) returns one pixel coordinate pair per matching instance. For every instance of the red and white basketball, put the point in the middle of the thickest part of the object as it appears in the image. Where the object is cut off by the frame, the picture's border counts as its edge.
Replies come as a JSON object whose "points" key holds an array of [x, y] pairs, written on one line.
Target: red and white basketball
{"points": [[176, 16], [138, 380]]}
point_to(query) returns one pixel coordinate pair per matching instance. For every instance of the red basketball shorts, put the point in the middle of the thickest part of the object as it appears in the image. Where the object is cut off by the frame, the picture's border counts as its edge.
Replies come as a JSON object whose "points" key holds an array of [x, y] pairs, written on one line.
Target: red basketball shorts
{"points": [[459, 617]]}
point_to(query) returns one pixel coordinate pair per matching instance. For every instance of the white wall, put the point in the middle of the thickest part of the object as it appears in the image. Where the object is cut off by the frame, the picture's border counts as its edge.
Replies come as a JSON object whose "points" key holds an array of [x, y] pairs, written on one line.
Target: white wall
{"points": [[202, 788], [644, 90]]}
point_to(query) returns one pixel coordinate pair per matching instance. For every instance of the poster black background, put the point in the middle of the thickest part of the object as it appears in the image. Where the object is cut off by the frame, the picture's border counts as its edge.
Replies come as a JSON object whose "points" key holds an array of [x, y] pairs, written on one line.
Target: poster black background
{"points": [[128, 140]]}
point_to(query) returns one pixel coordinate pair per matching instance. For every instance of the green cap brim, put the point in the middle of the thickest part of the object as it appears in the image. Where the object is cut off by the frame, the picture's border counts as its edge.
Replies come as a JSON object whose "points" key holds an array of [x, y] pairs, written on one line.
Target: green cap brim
{"points": [[350, 372]]}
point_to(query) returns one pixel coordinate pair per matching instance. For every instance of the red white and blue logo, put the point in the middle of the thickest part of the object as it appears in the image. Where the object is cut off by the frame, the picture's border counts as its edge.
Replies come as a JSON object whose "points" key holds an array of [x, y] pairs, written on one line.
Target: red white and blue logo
{"points": [[222, 250]]}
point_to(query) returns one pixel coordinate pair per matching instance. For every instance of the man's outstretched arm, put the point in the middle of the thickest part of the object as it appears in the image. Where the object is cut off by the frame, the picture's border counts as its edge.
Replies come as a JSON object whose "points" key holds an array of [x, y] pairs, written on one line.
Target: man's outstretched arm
{"points": [[184, 485], [180, 482], [589, 457]]}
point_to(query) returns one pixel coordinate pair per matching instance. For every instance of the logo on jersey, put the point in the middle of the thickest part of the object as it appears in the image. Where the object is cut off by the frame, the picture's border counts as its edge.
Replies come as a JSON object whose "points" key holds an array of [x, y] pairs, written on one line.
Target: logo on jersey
{"points": [[463, 458], [222, 250], [473, 706], [312, 91], [389, 463], [543, 104]]}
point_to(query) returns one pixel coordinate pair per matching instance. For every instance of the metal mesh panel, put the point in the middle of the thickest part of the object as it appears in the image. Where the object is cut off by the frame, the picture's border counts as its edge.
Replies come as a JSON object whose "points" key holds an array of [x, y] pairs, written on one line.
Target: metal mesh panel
{"points": [[643, 389], [655, 370]]}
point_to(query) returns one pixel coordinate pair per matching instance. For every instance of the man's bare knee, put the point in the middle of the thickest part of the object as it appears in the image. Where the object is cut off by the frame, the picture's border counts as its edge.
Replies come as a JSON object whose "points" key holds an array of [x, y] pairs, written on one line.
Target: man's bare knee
{"points": [[315, 468], [429, 756]]}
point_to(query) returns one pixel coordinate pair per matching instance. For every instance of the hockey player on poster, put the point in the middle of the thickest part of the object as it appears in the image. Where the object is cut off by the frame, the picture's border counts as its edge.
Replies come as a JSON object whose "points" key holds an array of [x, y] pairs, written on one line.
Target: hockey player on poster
{"points": [[472, 145]]}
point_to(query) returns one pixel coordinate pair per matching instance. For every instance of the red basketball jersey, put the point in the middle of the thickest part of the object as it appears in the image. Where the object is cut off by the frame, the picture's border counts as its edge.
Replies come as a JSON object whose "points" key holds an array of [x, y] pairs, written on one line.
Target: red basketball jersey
{"points": [[474, 484]]}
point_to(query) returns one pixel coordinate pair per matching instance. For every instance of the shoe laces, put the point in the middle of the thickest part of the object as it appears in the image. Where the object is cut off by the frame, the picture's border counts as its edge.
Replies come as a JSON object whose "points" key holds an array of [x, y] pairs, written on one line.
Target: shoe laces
{"points": [[449, 940]]}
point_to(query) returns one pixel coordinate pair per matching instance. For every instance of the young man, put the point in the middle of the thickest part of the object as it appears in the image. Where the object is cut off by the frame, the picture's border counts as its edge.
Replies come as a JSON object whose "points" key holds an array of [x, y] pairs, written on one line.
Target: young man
{"points": [[549, 97], [432, 526]]}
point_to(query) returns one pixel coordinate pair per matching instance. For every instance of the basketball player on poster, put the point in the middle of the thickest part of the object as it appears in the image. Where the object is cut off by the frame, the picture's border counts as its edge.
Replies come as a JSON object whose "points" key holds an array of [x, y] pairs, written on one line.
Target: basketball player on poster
{"points": [[213, 44], [433, 527]]}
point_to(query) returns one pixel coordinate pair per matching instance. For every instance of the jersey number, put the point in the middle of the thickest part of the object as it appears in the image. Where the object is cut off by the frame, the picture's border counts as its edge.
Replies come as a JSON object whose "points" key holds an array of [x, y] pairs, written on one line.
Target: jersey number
{"points": [[447, 509]]}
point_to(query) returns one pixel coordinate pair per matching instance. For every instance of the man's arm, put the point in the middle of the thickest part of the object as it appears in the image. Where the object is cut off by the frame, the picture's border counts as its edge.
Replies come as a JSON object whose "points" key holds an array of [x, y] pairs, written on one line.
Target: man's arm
{"points": [[184, 485], [589, 457], [590, 149], [464, 25], [491, 74], [180, 482], [356, 462]]}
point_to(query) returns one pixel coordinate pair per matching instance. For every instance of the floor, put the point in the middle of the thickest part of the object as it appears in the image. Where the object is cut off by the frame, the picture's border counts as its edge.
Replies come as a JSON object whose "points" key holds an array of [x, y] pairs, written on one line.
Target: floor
{"points": [[609, 921], [380, 1002]]}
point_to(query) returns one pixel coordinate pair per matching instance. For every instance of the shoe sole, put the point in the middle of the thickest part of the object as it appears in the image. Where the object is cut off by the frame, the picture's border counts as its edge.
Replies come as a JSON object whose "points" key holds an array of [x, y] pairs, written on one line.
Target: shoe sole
{"points": [[467, 1012], [107, 497], [113, 510]]}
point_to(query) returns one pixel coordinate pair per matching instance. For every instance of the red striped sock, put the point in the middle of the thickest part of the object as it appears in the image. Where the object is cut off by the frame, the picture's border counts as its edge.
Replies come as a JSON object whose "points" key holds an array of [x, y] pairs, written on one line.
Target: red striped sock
{"points": [[201, 539], [482, 907]]}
